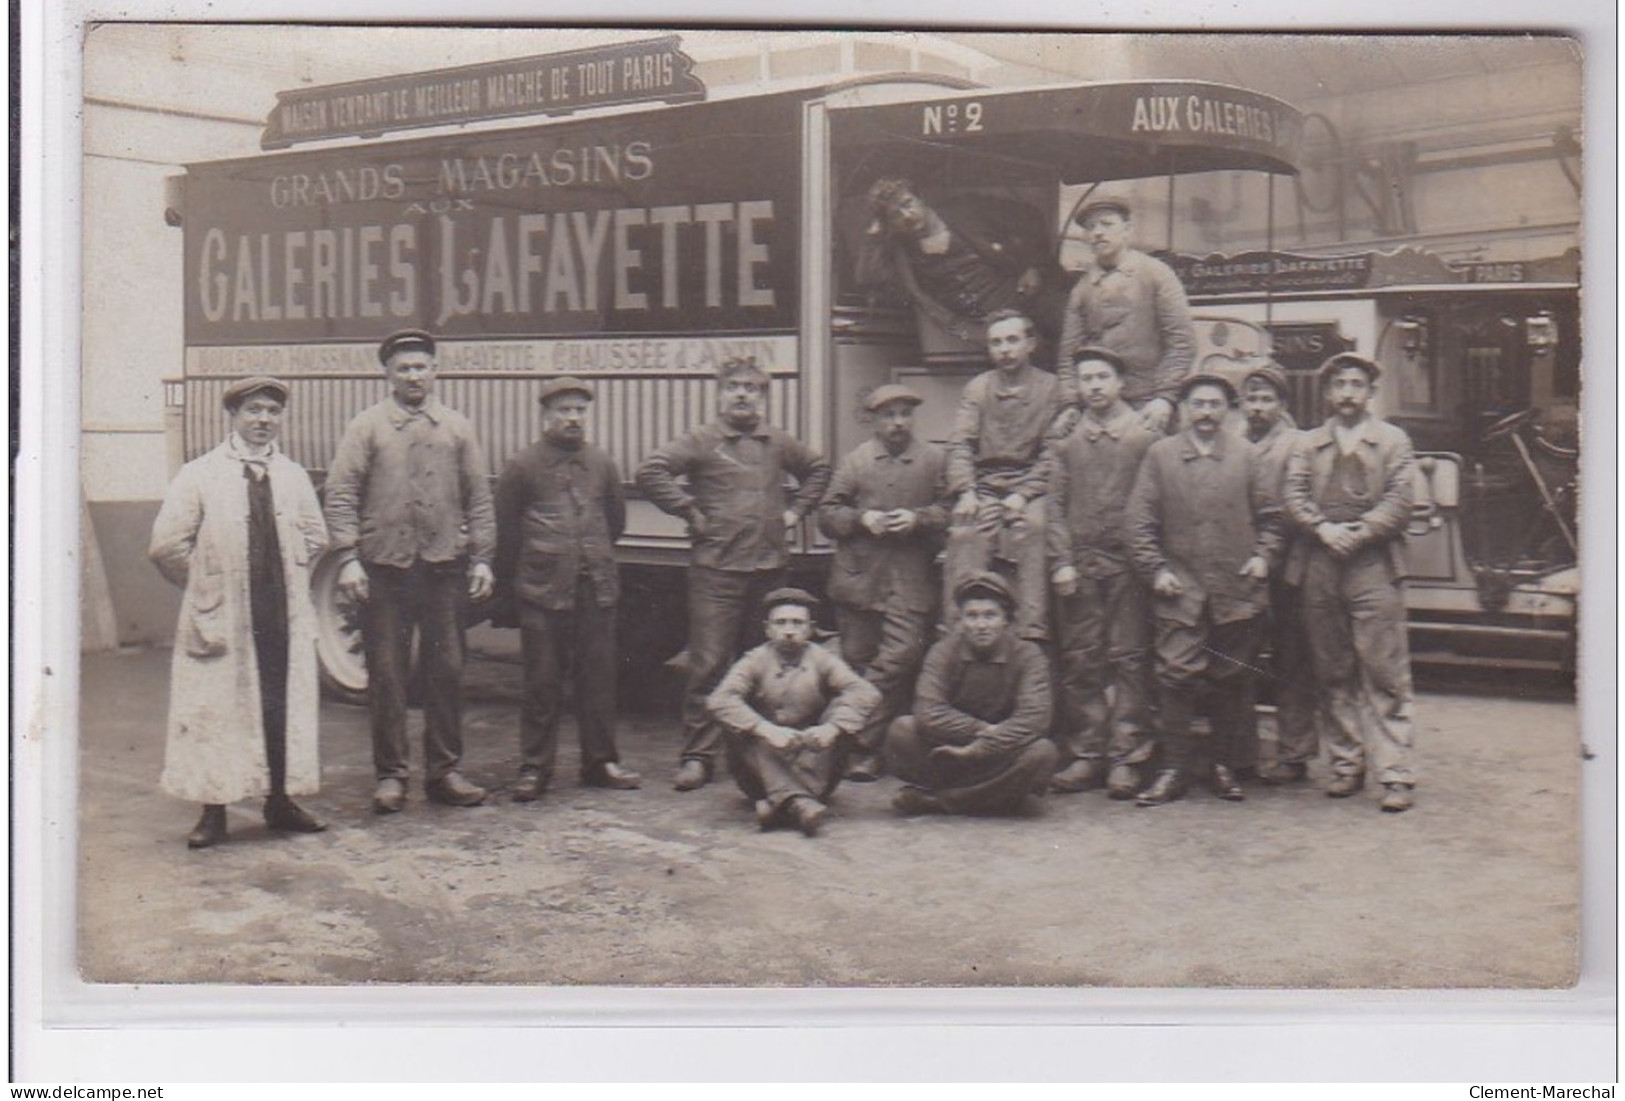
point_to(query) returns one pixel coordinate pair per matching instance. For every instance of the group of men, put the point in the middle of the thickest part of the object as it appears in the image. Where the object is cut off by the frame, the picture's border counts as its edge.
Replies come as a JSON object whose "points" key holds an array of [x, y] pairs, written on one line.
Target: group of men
{"points": [[1160, 560]]}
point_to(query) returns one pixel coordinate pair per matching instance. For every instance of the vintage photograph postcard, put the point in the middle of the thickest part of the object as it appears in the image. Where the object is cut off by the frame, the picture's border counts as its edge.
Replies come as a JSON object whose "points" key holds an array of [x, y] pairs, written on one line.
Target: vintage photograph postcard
{"points": [[669, 507]]}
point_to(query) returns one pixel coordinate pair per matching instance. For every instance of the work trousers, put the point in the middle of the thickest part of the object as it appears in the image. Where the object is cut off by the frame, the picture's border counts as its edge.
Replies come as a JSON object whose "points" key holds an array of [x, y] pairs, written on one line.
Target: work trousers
{"points": [[575, 645], [724, 614], [427, 597], [1354, 614], [1015, 550], [885, 646], [996, 784], [1104, 630], [1291, 674], [779, 775], [1209, 663]]}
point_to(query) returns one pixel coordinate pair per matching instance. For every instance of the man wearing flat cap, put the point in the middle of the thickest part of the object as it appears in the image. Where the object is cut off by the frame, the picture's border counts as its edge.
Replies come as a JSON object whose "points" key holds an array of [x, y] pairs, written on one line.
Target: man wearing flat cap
{"points": [[238, 531], [1349, 489], [787, 709], [409, 504], [560, 507], [1102, 607], [1132, 304], [886, 509], [1270, 427], [1204, 530], [727, 480], [977, 742]]}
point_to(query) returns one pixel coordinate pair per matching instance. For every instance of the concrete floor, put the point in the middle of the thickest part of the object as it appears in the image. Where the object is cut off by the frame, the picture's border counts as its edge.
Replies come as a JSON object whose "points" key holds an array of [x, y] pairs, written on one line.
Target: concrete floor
{"points": [[1477, 887]]}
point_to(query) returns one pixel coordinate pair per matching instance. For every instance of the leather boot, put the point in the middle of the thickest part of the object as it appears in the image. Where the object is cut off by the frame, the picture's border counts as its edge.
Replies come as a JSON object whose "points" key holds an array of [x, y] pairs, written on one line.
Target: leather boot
{"points": [[286, 816], [1168, 786], [210, 828]]}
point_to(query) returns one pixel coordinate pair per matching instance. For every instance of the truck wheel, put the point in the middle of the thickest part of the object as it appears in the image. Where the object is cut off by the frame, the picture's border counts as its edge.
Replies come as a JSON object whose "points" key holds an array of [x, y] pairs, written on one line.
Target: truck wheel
{"points": [[340, 660]]}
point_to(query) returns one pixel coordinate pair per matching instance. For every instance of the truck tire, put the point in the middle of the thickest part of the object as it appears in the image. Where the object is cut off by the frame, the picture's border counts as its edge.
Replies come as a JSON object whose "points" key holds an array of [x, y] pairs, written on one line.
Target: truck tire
{"points": [[340, 661]]}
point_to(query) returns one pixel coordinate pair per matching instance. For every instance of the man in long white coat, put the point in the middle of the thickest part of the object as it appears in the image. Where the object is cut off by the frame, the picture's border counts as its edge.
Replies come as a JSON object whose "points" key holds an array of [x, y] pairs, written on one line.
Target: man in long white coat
{"points": [[238, 531]]}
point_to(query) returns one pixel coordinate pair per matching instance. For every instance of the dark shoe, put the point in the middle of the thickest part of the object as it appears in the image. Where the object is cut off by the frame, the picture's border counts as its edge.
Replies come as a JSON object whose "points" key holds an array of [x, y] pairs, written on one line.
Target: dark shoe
{"points": [[1124, 782], [287, 816], [389, 797], [611, 774], [529, 788], [911, 800], [1342, 787], [767, 815], [1284, 772], [454, 791], [863, 768], [1225, 784], [691, 776], [1396, 798], [808, 814], [210, 828], [1084, 774], [1167, 787]]}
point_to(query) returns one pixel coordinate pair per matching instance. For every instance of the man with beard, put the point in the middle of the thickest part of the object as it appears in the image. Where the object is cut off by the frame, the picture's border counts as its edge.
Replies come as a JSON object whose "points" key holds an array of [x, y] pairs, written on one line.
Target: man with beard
{"points": [[560, 508], [976, 743], [1204, 530], [1349, 488], [886, 510], [727, 480], [998, 470], [1270, 427], [1102, 610], [409, 504], [1132, 304], [785, 709]]}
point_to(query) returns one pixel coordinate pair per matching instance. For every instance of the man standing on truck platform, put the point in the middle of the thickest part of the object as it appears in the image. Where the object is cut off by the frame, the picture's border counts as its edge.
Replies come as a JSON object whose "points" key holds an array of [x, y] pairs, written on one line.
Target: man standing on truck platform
{"points": [[738, 519], [560, 508], [409, 504], [1134, 305], [886, 510], [998, 470], [1203, 529], [1349, 488]]}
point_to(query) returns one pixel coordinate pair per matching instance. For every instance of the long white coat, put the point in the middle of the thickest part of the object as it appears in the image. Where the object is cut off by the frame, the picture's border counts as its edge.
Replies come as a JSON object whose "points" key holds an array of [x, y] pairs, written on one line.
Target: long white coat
{"points": [[215, 751]]}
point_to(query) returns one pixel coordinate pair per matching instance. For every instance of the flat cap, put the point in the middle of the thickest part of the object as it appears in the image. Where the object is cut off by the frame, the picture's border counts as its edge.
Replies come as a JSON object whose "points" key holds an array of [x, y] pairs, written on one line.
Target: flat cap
{"points": [[1102, 199], [1096, 351], [1208, 378], [985, 585], [789, 596], [892, 391], [405, 340], [238, 391], [564, 384], [1270, 372], [1349, 359]]}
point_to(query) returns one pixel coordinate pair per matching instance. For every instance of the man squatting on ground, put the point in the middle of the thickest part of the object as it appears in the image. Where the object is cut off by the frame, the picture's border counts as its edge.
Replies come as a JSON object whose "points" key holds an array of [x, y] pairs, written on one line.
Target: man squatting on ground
{"points": [[886, 509], [238, 530], [409, 505], [787, 710], [977, 742], [1350, 486], [734, 502], [559, 509], [1270, 427], [1204, 530], [998, 471], [1102, 609]]}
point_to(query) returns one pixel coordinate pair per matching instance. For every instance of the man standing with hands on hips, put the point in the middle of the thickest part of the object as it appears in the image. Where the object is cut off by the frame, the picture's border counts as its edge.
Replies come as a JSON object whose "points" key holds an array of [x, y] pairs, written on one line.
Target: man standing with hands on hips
{"points": [[408, 501]]}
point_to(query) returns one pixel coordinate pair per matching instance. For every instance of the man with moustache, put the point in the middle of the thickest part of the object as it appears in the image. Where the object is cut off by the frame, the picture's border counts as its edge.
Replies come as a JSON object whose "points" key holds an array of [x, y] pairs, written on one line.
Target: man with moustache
{"points": [[1132, 304], [727, 480], [787, 708], [998, 470], [977, 741], [886, 509], [1264, 394], [559, 509], [1203, 530], [1102, 610], [409, 503], [1349, 489]]}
